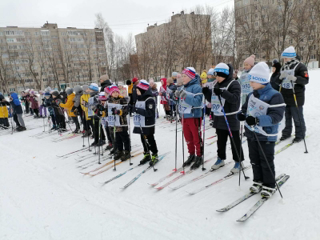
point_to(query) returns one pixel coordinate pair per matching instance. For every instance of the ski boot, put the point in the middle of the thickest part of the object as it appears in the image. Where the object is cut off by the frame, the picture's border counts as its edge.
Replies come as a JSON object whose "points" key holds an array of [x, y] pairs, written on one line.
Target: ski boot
{"points": [[267, 192], [125, 156], [197, 162], [118, 155], [76, 131], [236, 168], [283, 137], [154, 159], [256, 187], [54, 127], [296, 140], [218, 164], [112, 151], [190, 159], [109, 147], [87, 133], [145, 159]]}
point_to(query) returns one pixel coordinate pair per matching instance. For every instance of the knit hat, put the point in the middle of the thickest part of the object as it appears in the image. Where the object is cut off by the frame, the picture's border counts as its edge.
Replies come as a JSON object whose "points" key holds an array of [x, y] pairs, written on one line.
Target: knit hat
{"points": [[260, 73], [143, 84], [289, 53], [135, 79], [94, 87], [250, 60], [48, 89], [128, 82], [55, 93], [170, 80], [174, 74], [276, 65], [46, 94], [203, 75], [210, 72], [85, 87], [78, 89], [222, 70], [102, 97], [69, 91], [111, 89], [190, 72], [104, 77]]}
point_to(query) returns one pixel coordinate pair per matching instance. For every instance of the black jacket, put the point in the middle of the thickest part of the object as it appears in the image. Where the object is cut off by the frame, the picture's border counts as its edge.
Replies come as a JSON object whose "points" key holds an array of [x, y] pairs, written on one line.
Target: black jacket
{"points": [[301, 72], [106, 83], [149, 113], [273, 80], [232, 103]]}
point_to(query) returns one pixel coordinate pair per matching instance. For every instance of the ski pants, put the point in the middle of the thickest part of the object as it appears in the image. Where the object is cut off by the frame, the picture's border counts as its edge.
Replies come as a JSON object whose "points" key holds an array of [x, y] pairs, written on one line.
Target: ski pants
{"points": [[192, 135], [76, 121], [4, 122], [222, 143], [96, 131], [43, 109], [295, 114], [122, 138], [15, 119], [149, 143], [261, 171]]}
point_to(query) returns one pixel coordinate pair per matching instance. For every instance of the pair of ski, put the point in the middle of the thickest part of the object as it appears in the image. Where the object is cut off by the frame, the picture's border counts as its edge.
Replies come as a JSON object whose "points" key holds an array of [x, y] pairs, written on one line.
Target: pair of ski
{"points": [[73, 152], [74, 135], [281, 179], [105, 167]]}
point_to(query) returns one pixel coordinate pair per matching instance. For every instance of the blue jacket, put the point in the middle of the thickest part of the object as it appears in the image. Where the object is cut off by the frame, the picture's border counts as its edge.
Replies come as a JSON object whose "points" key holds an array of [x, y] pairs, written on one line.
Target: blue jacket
{"points": [[192, 88], [173, 88], [269, 122], [15, 103]]}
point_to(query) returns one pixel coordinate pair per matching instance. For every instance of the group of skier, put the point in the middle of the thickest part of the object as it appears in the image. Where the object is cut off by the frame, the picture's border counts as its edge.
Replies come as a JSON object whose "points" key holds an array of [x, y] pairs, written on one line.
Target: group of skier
{"points": [[254, 101]]}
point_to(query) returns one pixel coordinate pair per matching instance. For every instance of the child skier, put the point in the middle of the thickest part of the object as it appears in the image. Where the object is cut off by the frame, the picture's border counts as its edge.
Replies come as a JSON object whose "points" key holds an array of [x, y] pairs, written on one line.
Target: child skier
{"points": [[262, 112], [48, 103], [69, 106], [145, 120], [17, 111], [171, 88], [4, 114], [42, 108], [229, 91], [117, 111], [34, 103], [164, 100], [84, 103], [58, 112], [244, 81], [190, 107]]}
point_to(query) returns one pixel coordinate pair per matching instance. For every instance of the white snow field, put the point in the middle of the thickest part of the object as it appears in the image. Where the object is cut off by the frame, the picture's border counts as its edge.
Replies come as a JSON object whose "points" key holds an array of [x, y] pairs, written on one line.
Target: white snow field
{"points": [[44, 197]]}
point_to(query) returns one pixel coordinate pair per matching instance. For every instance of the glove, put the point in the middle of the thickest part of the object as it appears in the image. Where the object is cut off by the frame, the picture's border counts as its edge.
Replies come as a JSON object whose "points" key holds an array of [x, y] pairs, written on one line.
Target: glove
{"points": [[218, 91], [115, 111], [177, 94], [241, 117], [251, 121], [292, 78], [183, 94], [283, 75]]}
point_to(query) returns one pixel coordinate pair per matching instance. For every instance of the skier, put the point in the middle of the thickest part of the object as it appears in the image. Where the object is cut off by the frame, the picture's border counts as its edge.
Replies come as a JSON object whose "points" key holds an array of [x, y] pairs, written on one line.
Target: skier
{"points": [[34, 103], [293, 71], [4, 114], [84, 103], [171, 88], [145, 120], [229, 91], [276, 67], [69, 106], [116, 112], [244, 81], [58, 112], [105, 82], [190, 107], [164, 100], [17, 111], [262, 112], [48, 103]]}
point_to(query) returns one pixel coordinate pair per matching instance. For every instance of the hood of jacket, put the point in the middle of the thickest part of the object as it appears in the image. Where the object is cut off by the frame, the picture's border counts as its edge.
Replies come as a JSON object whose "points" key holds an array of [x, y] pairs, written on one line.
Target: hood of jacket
{"points": [[15, 98]]}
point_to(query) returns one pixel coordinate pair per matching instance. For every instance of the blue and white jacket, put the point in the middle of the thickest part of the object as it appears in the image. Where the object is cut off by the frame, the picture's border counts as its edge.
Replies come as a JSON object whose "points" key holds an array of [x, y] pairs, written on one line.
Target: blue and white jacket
{"points": [[194, 98]]}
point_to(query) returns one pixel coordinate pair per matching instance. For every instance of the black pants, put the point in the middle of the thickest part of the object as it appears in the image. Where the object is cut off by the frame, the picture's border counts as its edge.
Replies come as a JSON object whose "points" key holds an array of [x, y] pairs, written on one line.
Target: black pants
{"points": [[4, 122], [151, 143], [76, 121], [222, 143], [27, 107], [109, 135], [31, 111], [122, 138], [261, 172], [96, 131], [36, 111], [61, 121], [53, 119], [15, 119], [292, 112]]}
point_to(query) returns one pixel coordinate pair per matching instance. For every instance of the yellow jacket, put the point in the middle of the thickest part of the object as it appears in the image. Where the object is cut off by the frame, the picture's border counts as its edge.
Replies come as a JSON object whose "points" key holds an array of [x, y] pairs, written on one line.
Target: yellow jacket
{"points": [[4, 112], [69, 105], [130, 88], [85, 97]]}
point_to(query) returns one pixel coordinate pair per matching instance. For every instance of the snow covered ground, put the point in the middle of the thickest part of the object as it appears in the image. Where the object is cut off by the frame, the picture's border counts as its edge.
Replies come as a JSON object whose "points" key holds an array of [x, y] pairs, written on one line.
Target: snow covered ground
{"points": [[46, 197]]}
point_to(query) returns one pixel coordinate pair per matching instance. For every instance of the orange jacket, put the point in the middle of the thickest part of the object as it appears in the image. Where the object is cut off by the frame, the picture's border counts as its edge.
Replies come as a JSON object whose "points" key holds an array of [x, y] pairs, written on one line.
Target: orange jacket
{"points": [[69, 105]]}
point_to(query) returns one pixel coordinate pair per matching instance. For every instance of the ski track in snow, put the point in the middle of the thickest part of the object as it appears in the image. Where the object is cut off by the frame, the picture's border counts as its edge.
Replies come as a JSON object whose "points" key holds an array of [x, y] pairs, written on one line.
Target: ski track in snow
{"points": [[45, 197]]}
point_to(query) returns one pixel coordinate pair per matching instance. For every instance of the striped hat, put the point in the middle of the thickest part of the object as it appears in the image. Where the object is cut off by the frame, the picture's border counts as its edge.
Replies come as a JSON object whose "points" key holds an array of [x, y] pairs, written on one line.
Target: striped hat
{"points": [[94, 87], [289, 53], [111, 89], [102, 97], [143, 84], [190, 72], [222, 70]]}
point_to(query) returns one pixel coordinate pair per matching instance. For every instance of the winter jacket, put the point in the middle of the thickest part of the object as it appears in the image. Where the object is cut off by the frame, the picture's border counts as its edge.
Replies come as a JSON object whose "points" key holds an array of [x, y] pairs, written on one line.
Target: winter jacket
{"points": [[69, 105], [34, 102], [163, 90], [16, 104], [123, 114], [301, 73], [48, 104], [56, 106], [170, 96], [149, 113], [273, 80], [106, 83], [85, 98], [194, 98], [3, 108], [269, 122], [92, 104], [232, 103], [130, 88], [155, 93]]}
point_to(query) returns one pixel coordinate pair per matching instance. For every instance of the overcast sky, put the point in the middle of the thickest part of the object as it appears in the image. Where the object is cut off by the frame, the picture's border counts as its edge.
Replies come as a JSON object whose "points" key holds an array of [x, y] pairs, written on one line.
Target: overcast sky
{"points": [[123, 16]]}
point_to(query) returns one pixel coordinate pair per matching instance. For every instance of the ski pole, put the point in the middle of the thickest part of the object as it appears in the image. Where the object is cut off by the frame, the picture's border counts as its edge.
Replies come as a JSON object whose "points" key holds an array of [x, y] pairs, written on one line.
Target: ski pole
{"points": [[241, 131], [231, 136], [129, 125], [99, 141], [182, 122], [265, 158], [89, 134], [300, 121], [176, 146], [44, 127], [114, 146], [83, 116], [204, 132]]}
